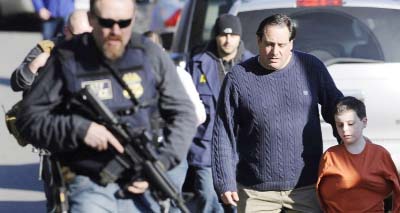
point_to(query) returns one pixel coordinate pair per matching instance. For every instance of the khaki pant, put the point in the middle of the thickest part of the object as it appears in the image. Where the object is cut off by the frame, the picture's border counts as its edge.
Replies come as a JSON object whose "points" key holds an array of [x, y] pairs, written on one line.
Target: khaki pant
{"points": [[302, 199]]}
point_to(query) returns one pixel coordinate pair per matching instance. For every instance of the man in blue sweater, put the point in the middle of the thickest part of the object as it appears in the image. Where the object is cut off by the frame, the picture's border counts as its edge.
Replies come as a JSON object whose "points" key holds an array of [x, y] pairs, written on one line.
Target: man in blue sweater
{"points": [[208, 70], [267, 141]]}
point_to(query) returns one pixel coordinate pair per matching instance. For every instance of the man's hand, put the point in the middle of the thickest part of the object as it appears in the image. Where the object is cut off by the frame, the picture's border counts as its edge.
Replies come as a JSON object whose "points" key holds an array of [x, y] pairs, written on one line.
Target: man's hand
{"points": [[230, 198], [138, 187], [98, 137], [44, 14], [38, 62]]}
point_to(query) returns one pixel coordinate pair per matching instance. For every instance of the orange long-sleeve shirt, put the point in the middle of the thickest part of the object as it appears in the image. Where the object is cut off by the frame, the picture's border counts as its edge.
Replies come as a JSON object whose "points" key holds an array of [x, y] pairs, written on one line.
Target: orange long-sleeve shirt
{"points": [[357, 182]]}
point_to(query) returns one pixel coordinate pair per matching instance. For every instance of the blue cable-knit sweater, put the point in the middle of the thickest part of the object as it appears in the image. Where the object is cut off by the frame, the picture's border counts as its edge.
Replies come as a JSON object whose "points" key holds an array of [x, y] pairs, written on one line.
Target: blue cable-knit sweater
{"points": [[267, 133]]}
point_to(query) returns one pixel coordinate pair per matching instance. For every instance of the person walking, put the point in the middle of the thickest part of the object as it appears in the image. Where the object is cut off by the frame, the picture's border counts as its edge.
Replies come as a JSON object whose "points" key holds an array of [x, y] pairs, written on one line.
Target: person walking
{"points": [[84, 147], [24, 75], [267, 140], [208, 69], [356, 175], [177, 174], [54, 15]]}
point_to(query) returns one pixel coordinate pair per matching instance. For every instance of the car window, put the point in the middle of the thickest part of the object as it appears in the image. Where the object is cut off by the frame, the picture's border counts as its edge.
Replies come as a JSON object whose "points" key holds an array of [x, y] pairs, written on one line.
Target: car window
{"points": [[336, 32], [338, 35]]}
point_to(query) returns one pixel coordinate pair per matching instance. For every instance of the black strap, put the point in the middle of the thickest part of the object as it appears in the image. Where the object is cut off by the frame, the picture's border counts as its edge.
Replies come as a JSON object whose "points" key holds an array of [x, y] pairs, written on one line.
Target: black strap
{"points": [[123, 84]]}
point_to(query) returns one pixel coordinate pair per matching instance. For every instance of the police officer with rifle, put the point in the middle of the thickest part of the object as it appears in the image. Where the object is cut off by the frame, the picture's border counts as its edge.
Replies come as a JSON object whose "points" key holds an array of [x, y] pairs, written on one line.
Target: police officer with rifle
{"points": [[84, 146], [139, 157]]}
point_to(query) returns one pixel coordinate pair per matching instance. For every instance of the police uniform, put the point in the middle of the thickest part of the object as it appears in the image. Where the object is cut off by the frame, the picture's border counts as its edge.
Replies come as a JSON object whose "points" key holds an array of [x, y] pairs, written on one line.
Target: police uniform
{"points": [[150, 75]]}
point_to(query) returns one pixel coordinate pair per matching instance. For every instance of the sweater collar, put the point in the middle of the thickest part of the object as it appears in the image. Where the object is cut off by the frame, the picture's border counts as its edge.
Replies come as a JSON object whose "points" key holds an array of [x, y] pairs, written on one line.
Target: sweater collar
{"points": [[275, 73]]}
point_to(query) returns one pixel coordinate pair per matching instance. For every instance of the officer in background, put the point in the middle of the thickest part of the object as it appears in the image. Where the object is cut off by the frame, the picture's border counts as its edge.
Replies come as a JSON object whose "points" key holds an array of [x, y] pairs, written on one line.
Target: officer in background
{"points": [[84, 146], [177, 174], [22, 79], [24, 75], [208, 70]]}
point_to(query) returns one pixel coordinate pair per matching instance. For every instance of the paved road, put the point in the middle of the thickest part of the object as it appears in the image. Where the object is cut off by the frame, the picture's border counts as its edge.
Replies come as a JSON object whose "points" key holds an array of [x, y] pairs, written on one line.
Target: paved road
{"points": [[20, 191]]}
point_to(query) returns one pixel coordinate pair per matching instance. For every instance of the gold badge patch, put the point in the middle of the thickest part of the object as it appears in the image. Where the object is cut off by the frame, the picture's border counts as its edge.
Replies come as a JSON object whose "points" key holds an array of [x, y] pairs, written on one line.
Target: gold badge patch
{"points": [[203, 79], [134, 82], [102, 88]]}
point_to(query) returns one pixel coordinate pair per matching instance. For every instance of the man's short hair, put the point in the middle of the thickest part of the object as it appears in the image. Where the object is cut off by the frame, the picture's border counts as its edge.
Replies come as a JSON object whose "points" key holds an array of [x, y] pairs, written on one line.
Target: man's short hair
{"points": [[351, 103], [92, 3], [277, 19]]}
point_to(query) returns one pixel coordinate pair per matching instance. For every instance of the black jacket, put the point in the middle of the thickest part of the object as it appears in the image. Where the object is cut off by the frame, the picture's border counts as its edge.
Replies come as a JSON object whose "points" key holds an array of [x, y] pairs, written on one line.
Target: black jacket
{"points": [[46, 126]]}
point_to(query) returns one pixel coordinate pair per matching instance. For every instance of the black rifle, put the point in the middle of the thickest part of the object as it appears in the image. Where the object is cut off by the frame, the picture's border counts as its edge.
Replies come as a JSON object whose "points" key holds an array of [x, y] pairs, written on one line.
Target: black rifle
{"points": [[139, 157]]}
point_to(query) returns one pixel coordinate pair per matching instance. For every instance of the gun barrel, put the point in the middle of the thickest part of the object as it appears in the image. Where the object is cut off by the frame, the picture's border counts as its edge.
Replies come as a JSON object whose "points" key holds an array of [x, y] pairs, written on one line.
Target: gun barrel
{"points": [[162, 182], [137, 152]]}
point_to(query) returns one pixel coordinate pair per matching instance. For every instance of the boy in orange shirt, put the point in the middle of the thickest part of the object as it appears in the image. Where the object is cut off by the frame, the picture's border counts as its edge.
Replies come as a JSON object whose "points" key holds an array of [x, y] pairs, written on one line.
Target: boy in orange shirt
{"points": [[356, 175]]}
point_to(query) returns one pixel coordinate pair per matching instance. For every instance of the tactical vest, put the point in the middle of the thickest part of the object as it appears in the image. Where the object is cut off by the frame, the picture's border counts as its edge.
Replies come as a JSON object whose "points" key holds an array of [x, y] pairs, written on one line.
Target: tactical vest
{"points": [[134, 68], [82, 65]]}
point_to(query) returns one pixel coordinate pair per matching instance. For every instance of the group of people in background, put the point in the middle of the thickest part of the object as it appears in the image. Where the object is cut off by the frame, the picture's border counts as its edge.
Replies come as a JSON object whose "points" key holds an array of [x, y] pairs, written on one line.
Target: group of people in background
{"points": [[246, 126]]}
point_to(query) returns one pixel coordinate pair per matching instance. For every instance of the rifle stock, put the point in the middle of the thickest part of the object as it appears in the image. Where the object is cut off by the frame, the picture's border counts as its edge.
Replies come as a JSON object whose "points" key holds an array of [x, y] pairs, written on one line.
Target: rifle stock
{"points": [[138, 156]]}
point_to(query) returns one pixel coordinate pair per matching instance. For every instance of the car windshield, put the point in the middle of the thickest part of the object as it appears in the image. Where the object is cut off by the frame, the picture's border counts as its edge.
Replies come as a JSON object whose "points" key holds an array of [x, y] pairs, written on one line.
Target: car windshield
{"points": [[336, 34]]}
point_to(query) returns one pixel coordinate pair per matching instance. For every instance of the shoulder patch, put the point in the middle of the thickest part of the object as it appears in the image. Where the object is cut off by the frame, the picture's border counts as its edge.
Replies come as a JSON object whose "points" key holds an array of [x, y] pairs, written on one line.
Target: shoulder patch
{"points": [[46, 45]]}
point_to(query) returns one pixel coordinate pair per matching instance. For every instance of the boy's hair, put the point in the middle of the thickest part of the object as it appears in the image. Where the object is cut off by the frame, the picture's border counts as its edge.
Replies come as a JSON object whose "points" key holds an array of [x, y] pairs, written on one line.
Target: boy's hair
{"points": [[351, 103]]}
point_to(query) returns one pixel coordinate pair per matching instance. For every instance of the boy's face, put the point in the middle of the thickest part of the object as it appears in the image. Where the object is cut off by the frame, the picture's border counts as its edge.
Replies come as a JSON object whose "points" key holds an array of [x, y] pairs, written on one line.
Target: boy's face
{"points": [[350, 126]]}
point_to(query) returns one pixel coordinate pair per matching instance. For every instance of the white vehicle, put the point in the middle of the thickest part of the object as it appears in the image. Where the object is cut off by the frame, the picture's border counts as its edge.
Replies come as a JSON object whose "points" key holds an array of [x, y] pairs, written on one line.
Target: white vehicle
{"points": [[359, 41]]}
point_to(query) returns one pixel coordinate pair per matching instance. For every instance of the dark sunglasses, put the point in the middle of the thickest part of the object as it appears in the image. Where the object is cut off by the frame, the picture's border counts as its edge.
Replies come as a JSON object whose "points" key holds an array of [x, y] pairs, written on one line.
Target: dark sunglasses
{"points": [[109, 23]]}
